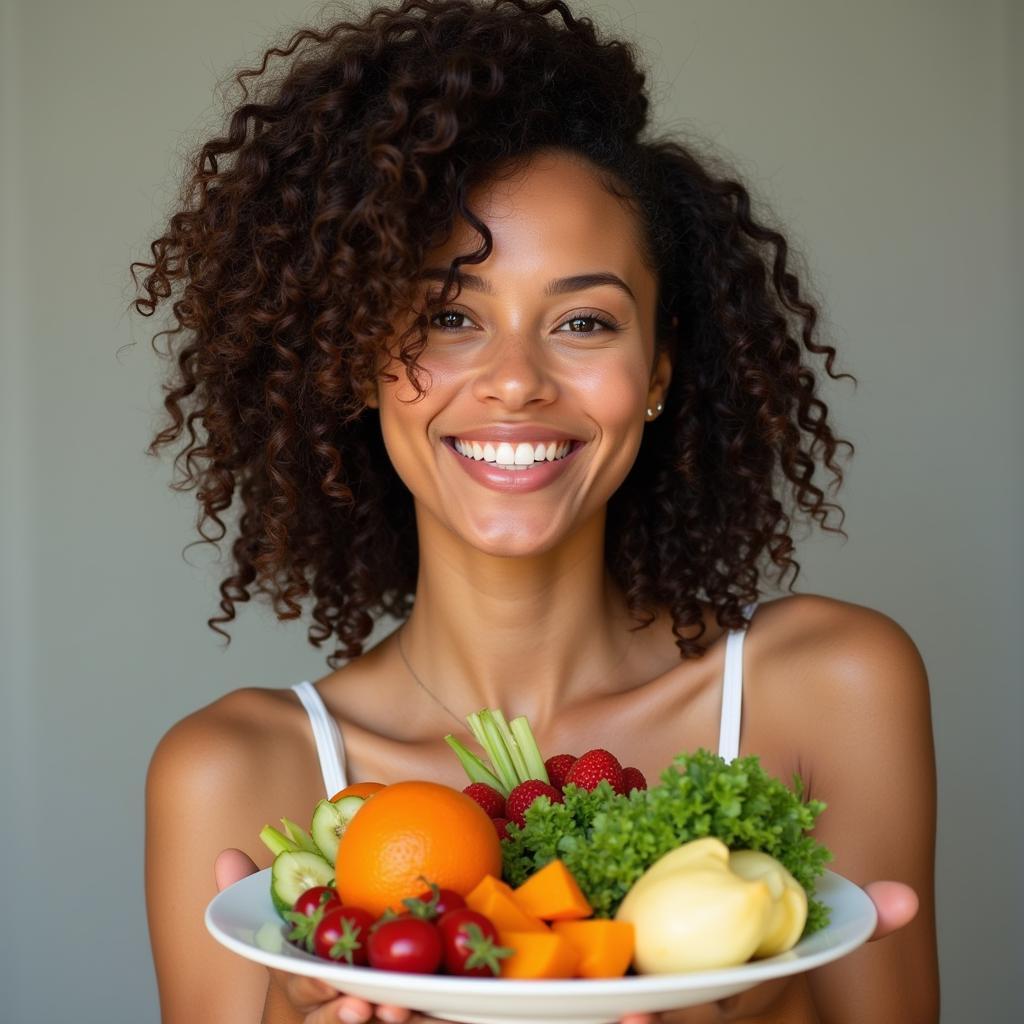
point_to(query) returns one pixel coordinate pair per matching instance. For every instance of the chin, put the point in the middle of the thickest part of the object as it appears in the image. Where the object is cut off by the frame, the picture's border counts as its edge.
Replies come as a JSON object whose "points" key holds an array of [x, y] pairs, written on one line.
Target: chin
{"points": [[512, 539]]}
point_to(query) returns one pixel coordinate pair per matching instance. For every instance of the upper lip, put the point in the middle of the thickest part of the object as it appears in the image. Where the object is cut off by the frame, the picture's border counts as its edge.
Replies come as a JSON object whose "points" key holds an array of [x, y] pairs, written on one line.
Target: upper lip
{"points": [[515, 432]]}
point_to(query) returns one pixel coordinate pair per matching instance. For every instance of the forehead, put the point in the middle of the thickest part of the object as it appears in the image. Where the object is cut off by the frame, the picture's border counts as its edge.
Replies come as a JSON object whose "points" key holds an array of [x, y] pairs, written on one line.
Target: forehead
{"points": [[551, 212]]}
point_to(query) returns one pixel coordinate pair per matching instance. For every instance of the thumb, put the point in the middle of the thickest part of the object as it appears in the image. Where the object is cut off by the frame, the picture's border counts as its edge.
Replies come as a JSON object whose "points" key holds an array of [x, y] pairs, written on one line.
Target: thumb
{"points": [[896, 904], [232, 865]]}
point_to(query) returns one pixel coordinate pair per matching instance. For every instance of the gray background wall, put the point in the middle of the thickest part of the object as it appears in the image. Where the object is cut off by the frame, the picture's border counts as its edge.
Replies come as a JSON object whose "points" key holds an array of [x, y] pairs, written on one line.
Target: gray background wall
{"points": [[886, 136]]}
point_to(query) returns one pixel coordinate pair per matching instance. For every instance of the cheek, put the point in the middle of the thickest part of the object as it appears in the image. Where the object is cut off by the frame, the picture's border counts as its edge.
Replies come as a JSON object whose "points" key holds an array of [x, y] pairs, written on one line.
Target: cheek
{"points": [[406, 419], [615, 401], [614, 392]]}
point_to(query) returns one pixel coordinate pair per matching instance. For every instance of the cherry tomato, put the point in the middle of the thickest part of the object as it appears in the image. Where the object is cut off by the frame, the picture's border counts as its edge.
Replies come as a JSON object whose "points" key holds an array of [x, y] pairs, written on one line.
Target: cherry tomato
{"points": [[432, 903], [307, 913], [319, 896], [470, 943], [406, 944], [343, 934]]}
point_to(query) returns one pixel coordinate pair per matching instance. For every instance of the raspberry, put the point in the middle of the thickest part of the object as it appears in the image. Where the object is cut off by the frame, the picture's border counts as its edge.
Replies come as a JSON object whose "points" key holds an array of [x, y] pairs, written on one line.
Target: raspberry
{"points": [[487, 797], [632, 778], [499, 825], [524, 794], [594, 766], [558, 766]]}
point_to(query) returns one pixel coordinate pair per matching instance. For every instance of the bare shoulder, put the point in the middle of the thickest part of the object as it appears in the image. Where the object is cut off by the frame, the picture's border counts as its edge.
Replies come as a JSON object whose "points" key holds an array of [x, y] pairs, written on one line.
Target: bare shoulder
{"points": [[842, 650], [224, 735], [833, 687], [232, 757]]}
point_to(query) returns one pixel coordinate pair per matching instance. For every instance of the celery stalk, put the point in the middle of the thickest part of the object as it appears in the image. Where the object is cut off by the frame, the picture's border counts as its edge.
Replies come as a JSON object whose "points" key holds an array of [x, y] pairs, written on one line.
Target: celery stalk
{"points": [[518, 760], [476, 728], [275, 842], [500, 757], [298, 835], [475, 768], [528, 745]]}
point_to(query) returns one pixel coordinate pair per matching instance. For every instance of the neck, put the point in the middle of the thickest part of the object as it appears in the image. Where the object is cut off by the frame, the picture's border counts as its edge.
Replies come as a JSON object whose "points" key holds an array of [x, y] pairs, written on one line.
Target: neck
{"points": [[530, 635]]}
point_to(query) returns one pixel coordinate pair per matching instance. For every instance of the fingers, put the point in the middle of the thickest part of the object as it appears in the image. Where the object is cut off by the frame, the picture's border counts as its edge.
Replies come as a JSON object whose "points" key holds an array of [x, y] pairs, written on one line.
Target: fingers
{"points": [[639, 1018], [230, 866], [896, 904], [322, 1003], [394, 1014], [358, 1011], [352, 1010], [307, 995]]}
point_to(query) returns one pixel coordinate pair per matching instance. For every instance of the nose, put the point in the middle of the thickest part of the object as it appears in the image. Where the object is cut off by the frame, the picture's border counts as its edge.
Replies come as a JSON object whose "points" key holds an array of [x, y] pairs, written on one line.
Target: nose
{"points": [[515, 372]]}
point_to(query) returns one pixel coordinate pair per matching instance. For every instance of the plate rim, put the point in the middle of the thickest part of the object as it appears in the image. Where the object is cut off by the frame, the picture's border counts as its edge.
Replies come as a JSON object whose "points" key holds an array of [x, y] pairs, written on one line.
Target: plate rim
{"points": [[783, 965]]}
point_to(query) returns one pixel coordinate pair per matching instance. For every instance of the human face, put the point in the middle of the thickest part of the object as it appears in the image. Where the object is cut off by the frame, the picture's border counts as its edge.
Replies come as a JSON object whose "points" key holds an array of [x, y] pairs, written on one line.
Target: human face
{"points": [[519, 360]]}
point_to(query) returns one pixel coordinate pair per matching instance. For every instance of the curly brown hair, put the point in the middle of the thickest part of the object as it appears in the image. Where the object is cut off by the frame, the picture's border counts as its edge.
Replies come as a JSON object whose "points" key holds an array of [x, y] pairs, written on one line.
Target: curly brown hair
{"points": [[300, 231]]}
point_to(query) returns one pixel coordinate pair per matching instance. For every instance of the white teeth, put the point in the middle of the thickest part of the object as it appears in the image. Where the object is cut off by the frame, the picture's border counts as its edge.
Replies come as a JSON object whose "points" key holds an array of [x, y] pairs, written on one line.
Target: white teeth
{"points": [[505, 454]]}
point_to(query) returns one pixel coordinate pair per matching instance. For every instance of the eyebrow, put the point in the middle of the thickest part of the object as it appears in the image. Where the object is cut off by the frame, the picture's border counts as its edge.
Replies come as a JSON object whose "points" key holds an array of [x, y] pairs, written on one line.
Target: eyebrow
{"points": [[558, 286]]}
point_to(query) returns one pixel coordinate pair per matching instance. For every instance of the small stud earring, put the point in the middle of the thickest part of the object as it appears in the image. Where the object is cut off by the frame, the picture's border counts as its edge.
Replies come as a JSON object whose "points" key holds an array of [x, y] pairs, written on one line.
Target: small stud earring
{"points": [[651, 413]]}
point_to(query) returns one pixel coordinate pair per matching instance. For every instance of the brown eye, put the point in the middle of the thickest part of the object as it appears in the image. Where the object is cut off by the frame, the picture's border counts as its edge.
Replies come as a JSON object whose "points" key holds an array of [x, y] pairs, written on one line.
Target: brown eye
{"points": [[593, 318], [450, 313]]}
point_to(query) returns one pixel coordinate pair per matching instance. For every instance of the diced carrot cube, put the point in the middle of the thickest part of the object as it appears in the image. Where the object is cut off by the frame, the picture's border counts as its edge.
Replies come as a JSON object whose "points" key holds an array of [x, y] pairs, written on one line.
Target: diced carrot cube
{"points": [[538, 955], [552, 894], [494, 899], [605, 947]]}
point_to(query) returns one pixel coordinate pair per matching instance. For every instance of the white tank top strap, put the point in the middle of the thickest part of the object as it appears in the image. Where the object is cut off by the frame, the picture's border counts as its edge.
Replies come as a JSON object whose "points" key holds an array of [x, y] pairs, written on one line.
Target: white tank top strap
{"points": [[329, 745], [732, 691]]}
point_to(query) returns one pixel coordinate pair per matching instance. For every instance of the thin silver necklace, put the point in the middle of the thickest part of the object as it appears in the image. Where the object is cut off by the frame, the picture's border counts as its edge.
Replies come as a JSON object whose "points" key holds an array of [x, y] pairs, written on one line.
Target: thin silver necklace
{"points": [[430, 693], [423, 686]]}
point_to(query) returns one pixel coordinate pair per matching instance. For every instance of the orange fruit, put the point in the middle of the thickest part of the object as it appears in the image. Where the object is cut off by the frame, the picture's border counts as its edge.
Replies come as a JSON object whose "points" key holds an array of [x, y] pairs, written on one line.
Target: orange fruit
{"points": [[358, 789], [410, 829]]}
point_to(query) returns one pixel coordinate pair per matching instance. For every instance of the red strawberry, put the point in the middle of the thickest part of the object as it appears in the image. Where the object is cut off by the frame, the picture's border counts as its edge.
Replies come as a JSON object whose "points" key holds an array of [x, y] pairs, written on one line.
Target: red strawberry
{"points": [[632, 778], [558, 766], [594, 766], [524, 794], [499, 824], [487, 797]]}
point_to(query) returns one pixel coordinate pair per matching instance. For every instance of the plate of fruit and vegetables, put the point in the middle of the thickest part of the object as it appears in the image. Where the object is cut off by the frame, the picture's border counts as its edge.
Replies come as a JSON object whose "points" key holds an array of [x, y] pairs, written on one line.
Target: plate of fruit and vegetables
{"points": [[562, 890]]}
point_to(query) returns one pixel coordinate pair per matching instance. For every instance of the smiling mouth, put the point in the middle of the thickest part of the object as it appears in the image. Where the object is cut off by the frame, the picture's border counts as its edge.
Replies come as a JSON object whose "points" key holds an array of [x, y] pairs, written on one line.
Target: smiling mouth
{"points": [[519, 457]]}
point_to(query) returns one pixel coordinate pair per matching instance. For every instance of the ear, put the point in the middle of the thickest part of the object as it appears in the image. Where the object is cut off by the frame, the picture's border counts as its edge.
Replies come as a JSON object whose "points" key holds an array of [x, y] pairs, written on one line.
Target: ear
{"points": [[371, 396], [661, 376]]}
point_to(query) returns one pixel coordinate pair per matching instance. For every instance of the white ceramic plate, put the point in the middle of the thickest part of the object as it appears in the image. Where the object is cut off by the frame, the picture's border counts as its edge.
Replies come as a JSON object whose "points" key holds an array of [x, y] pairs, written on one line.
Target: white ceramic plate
{"points": [[243, 919]]}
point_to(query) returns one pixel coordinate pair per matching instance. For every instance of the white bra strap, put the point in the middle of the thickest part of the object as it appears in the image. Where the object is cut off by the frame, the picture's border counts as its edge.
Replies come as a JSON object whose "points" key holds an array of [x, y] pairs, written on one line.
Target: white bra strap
{"points": [[732, 691], [329, 745]]}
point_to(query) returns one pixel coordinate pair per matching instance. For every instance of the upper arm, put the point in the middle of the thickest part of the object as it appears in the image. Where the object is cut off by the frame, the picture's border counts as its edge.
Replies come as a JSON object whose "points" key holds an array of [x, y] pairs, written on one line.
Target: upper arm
{"points": [[196, 805], [869, 751]]}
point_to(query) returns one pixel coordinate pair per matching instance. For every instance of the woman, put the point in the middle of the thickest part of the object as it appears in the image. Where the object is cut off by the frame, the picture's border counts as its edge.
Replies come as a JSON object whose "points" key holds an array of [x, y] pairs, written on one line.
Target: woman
{"points": [[442, 231]]}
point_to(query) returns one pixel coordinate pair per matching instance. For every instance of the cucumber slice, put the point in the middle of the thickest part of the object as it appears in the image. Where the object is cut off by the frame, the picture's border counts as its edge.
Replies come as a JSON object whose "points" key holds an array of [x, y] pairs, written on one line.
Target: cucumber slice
{"points": [[293, 873], [330, 821]]}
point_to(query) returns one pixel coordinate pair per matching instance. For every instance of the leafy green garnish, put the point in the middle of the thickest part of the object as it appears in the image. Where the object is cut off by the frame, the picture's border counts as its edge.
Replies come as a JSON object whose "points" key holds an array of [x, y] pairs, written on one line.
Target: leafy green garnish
{"points": [[608, 841]]}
